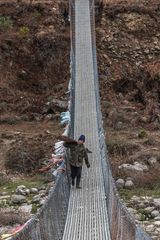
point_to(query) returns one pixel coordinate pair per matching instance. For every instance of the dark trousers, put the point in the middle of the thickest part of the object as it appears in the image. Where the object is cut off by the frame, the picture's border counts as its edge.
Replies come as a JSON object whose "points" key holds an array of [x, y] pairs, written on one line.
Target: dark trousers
{"points": [[76, 173]]}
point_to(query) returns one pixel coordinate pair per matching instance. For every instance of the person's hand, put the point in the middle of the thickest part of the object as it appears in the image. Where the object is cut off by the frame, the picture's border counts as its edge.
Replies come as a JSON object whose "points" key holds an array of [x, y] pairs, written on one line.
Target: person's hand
{"points": [[88, 165], [88, 151]]}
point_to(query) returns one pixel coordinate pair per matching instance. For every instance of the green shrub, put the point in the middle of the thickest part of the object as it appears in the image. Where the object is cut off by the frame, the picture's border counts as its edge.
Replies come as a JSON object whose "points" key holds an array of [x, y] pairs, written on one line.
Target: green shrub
{"points": [[5, 22], [34, 208], [36, 14], [142, 133], [24, 31], [3, 179]]}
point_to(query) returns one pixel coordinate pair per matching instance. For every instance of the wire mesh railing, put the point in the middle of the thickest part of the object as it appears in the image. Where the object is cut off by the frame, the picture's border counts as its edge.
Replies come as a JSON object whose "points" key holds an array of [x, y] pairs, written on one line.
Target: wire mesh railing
{"points": [[122, 224]]}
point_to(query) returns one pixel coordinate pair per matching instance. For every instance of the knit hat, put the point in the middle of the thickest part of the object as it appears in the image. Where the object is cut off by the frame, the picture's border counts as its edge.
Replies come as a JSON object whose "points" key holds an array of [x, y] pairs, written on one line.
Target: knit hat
{"points": [[82, 138]]}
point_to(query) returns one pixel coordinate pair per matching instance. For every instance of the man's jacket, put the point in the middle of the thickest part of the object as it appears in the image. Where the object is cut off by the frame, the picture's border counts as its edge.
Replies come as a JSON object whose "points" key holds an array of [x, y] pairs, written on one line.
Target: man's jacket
{"points": [[78, 152]]}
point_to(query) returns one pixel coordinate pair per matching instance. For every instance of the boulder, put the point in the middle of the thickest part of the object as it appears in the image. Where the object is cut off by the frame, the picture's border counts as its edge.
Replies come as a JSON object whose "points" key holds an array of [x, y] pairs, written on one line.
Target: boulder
{"points": [[132, 211], [56, 105], [152, 161], [157, 223], [157, 218], [42, 201], [149, 209], [36, 199], [139, 167], [129, 184], [150, 228], [42, 193], [34, 190], [4, 197], [18, 199], [3, 193], [25, 208], [120, 183], [154, 213], [135, 199], [22, 190], [156, 202]]}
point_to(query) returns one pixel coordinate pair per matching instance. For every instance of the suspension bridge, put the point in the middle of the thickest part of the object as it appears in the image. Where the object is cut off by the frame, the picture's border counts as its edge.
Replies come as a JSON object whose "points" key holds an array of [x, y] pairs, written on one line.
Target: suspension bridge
{"points": [[94, 212]]}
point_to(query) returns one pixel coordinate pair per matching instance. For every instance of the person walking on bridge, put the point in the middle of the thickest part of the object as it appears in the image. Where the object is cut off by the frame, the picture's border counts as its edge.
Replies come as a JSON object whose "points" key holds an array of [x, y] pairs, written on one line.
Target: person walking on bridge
{"points": [[78, 153]]}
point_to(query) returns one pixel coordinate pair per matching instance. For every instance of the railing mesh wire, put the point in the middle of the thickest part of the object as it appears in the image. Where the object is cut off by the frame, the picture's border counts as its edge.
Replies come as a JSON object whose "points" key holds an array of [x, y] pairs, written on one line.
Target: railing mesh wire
{"points": [[49, 223], [122, 224]]}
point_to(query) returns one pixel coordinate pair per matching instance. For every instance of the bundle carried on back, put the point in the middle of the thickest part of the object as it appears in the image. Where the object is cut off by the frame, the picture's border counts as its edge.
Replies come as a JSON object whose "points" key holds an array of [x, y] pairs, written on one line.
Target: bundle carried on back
{"points": [[67, 139]]}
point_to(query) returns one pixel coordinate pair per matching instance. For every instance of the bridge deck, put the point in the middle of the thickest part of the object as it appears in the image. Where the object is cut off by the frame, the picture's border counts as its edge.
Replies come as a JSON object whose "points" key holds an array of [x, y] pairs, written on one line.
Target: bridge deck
{"points": [[87, 212]]}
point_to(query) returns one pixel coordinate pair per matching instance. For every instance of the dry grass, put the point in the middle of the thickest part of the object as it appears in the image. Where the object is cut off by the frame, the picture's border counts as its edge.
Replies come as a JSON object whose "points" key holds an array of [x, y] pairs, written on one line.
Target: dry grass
{"points": [[127, 2], [11, 218], [153, 69]]}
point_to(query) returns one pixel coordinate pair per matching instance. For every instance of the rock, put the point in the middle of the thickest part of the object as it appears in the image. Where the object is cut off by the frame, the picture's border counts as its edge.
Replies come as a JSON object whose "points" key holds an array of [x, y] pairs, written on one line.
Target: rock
{"points": [[154, 213], [146, 51], [143, 119], [141, 205], [149, 209], [49, 117], [42, 201], [157, 223], [135, 199], [21, 187], [48, 132], [129, 184], [36, 199], [120, 183], [27, 191], [136, 167], [4, 229], [119, 126], [3, 193], [49, 176], [156, 202], [42, 188], [147, 200], [129, 178], [5, 197], [132, 211], [56, 105], [34, 190], [150, 228], [157, 218], [42, 193], [152, 161], [18, 199], [25, 208], [22, 190], [138, 217]]}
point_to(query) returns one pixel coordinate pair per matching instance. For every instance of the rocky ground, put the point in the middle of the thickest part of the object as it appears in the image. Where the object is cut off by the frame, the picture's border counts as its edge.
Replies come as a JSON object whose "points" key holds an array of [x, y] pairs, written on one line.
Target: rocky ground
{"points": [[128, 45], [34, 74]]}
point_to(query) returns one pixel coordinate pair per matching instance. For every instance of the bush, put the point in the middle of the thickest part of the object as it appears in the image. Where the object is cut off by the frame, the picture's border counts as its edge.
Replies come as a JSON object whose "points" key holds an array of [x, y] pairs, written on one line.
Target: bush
{"points": [[36, 14], [25, 158], [24, 31], [121, 148], [142, 133], [5, 22], [11, 218], [3, 179], [34, 209]]}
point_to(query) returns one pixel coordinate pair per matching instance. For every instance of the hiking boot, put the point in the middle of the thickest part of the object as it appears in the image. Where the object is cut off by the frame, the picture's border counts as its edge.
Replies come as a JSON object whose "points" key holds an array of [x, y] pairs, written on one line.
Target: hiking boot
{"points": [[72, 182]]}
